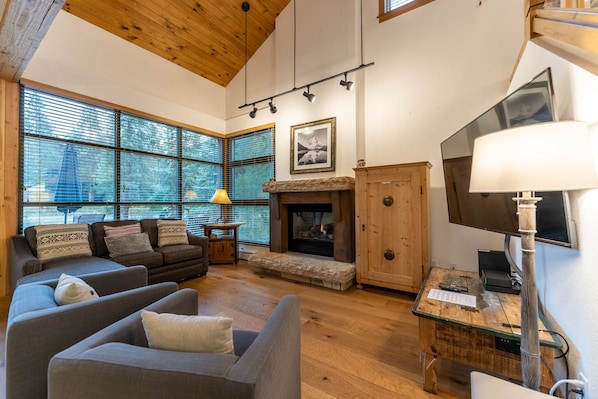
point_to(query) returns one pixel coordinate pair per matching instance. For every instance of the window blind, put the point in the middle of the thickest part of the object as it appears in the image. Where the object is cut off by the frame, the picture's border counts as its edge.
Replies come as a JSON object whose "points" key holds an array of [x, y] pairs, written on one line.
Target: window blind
{"points": [[250, 163], [392, 8], [84, 162]]}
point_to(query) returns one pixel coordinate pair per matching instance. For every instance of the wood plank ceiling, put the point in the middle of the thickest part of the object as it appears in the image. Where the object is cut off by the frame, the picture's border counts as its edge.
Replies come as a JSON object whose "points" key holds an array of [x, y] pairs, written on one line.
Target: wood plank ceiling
{"points": [[206, 37]]}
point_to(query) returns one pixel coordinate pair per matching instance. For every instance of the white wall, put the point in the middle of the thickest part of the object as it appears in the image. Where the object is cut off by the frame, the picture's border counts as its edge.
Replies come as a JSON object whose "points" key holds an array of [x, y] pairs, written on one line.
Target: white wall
{"points": [[79, 57], [436, 69]]}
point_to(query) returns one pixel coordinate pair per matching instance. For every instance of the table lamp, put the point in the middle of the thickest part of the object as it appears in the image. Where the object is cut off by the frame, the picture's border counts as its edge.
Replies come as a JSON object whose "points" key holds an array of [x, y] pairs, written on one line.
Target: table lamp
{"points": [[220, 197], [552, 156]]}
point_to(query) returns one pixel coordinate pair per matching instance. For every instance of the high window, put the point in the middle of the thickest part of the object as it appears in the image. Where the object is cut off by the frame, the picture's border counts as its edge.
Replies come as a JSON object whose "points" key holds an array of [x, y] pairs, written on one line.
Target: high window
{"points": [[250, 163], [392, 8], [84, 162]]}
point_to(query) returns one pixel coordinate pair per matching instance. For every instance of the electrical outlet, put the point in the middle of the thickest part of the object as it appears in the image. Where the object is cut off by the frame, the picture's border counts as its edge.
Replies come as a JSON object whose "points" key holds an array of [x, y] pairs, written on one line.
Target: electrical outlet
{"points": [[453, 265], [586, 388]]}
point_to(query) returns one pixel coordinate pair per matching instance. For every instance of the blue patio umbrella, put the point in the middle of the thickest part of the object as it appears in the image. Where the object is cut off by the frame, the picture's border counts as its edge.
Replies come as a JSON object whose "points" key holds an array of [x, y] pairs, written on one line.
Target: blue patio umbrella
{"points": [[68, 188]]}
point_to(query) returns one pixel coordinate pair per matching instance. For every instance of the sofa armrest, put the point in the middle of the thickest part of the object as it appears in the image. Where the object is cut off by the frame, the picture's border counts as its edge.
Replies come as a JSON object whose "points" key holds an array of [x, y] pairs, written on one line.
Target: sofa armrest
{"points": [[21, 261], [271, 365], [111, 281], [203, 242], [34, 337]]}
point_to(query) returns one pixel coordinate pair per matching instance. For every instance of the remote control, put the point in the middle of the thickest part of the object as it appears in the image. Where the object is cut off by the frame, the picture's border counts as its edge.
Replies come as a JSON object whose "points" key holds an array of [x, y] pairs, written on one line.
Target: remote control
{"points": [[452, 287]]}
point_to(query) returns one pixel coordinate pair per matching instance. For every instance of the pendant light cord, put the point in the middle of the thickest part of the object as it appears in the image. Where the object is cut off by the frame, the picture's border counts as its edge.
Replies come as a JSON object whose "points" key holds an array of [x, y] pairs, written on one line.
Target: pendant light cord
{"points": [[294, 45], [361, 29], [246, 12]]}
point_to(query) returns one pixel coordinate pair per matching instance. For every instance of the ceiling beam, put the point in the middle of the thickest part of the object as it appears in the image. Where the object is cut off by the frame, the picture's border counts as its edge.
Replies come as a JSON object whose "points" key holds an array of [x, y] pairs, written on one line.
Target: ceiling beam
{"points": [[23, 25]]}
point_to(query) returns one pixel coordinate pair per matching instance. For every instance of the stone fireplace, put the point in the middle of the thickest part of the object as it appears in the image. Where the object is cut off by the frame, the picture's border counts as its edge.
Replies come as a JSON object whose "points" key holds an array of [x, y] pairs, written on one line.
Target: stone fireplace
{"points": [[323, 208], [312, 232]]}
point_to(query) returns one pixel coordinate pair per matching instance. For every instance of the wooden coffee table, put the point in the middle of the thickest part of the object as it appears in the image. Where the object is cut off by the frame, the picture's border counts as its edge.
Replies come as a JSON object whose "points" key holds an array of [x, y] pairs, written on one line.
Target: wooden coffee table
{"points": [[477, 336]]}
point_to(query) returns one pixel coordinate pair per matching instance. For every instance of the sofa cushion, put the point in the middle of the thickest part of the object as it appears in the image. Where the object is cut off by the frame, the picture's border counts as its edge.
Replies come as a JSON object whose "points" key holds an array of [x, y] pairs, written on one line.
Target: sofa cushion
{"points": [[128, 244], [115, 231], [62, 241], [179, 253], [172, 232], [71, 289], [148, 259], [188, 333]]}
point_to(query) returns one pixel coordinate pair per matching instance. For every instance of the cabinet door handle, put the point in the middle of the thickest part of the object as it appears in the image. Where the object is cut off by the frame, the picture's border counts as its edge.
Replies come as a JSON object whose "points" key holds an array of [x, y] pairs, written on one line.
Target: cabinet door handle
{"points": [[387, 200], [389, 255]]}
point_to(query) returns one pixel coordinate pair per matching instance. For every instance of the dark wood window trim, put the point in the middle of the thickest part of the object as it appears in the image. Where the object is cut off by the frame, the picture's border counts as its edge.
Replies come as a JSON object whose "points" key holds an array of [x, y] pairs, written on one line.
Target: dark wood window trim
{"points": [[386, 15]]}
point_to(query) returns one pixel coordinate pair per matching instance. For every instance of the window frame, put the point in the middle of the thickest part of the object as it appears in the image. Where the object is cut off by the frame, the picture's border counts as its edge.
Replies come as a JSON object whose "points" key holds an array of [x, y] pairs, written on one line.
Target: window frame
{"points": [[385, 15], [230, 165], [114, 207]]}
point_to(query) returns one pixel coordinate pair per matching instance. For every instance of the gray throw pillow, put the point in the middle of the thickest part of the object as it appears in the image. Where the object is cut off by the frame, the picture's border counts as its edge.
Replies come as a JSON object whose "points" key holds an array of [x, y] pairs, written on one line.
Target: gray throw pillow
{"points": [[128, 244]]}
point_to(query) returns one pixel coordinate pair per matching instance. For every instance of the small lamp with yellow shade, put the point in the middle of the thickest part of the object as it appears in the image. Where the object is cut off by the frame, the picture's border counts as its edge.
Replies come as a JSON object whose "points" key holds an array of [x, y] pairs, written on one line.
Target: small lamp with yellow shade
{"points": [[220, 197]]}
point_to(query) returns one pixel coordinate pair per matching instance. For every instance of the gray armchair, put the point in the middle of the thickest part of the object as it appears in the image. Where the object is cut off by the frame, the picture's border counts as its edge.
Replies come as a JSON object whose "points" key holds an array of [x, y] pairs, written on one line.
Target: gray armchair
{"points": [[117, 363], [38, 328]]}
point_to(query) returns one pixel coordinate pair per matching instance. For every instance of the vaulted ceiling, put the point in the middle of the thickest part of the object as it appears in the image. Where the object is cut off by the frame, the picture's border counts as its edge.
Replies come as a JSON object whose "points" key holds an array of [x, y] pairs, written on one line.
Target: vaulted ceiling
{"points": [[206, 37]]}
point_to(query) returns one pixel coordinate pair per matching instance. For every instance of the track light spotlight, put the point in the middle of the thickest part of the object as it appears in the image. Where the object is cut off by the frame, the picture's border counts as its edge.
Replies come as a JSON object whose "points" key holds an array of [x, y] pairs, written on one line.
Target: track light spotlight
{"points": [[273, 108], [310, 97], [347, 83], [253, 112]]}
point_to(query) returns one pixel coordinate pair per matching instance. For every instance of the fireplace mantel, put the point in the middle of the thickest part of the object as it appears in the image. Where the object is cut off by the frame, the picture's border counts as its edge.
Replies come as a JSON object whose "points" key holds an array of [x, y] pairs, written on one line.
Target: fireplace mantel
{"points": [[309, 185], [337, 191]]}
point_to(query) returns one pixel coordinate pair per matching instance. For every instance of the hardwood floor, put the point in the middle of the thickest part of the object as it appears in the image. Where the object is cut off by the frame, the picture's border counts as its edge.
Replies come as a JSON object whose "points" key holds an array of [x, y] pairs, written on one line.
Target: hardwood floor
{"points": [[355, 344]]}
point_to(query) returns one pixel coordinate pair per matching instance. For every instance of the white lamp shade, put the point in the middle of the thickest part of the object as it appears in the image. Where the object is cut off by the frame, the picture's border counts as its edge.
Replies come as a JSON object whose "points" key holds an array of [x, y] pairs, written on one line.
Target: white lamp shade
{"points": [[552, 156], [220, 197]]}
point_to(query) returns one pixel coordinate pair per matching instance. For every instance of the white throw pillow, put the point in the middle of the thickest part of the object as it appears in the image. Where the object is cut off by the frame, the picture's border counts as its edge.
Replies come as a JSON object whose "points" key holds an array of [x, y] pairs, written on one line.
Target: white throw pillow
{"points": [[188, 333], [71, 289]]}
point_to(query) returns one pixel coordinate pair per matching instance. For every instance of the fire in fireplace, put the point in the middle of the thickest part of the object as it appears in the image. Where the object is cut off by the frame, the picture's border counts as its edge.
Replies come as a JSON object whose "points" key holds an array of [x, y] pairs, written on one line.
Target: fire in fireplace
{"points": [[311, 229]]}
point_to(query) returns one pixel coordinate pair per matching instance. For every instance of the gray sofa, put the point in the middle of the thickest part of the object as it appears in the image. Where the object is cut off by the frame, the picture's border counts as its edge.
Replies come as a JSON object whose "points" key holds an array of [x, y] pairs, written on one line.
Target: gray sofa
{"points": [[170, 263], [38, 328], [116, 362]]}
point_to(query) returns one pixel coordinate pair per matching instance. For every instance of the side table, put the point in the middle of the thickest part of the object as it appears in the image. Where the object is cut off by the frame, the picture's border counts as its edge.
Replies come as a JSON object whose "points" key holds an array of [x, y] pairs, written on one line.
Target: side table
{"points": [[483, 337], [223, 248]]}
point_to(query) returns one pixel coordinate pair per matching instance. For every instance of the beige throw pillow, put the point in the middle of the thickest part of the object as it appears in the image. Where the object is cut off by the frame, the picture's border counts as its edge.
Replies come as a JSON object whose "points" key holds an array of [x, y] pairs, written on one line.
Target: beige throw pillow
{"points": [[62, 240], [172, 232], [71, 289], [188, 333]]}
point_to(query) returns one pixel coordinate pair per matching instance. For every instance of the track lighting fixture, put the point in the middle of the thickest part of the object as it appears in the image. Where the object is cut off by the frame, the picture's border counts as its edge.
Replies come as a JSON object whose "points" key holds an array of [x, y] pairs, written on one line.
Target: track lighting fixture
{"points": [[347, 83], [310, 96], [254, 112], [273, 108]]}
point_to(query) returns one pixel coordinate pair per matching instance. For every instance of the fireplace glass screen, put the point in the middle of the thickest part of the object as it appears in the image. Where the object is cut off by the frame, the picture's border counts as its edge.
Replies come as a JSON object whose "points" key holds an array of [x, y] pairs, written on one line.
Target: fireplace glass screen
{"points": [[311, 229]]}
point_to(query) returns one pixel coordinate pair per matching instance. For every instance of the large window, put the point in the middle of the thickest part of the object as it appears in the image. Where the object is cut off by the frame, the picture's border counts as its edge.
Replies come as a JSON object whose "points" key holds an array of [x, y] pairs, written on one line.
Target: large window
{"points": [[83, 162], [392, 8], [250, 163]]}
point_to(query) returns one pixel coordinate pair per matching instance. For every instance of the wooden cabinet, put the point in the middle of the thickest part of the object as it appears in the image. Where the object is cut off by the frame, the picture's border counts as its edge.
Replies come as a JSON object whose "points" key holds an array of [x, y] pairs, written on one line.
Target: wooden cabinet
{"points": [[223, 248], [391, 225]]}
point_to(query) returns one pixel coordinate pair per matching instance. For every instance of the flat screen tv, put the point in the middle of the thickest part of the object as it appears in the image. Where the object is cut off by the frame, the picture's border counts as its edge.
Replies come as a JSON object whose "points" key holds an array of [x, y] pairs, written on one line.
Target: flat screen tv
{"points": [[531, 103]]}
